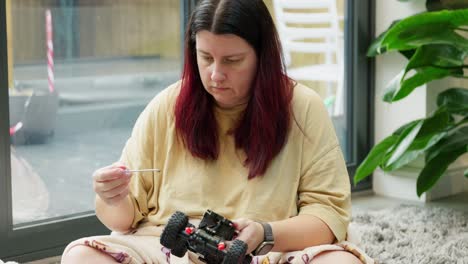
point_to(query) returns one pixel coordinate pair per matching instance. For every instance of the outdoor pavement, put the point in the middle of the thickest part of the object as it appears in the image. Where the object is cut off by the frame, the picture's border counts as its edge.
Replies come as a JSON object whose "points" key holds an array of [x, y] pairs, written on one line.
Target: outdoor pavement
{"points": [[99, 102]]}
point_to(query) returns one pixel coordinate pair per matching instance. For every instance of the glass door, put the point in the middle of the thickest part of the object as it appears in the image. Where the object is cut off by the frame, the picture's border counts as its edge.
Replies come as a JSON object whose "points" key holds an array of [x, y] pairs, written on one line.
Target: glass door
{"points": [[312, 36], [79, 74], [324, 44]]}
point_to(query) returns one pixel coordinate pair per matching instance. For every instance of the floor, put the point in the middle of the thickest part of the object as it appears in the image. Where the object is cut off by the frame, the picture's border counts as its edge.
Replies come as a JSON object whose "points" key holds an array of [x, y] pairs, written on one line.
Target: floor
{"points": [[363, 201], [368, 201]]}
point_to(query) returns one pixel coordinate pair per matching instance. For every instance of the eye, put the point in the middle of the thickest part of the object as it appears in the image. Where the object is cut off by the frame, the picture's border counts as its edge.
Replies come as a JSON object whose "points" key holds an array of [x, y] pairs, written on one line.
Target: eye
{"points": [[229, 61], [206, 58]]}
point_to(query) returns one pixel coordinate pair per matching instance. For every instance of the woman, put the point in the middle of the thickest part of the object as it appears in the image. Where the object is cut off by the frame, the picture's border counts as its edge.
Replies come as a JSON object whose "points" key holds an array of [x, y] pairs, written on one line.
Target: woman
{"points": [[236, 136]]}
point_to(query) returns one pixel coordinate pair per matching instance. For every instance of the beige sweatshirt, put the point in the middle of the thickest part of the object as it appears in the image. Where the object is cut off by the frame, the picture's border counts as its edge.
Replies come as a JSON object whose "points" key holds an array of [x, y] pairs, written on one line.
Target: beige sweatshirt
{"points": [[308, 176]]}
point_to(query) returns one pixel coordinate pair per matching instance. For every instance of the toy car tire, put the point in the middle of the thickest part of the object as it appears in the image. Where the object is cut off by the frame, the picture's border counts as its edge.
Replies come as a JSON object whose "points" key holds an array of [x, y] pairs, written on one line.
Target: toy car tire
{"points": [[169, 237], [236, 252], [179, 249]]}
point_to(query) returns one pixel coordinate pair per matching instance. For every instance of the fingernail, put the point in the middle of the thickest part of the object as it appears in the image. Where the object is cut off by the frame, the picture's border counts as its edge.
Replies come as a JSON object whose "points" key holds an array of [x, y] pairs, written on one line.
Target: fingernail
{"points": [[128, 173]]}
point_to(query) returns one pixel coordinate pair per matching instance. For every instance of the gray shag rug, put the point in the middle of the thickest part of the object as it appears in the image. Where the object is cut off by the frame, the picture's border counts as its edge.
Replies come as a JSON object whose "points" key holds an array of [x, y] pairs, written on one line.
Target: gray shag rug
{"points": [[413, 234]]}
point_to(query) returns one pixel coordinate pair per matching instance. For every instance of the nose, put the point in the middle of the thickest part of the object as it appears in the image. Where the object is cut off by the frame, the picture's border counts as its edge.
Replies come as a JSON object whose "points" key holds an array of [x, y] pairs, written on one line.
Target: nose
{"points": [[217, 74]]}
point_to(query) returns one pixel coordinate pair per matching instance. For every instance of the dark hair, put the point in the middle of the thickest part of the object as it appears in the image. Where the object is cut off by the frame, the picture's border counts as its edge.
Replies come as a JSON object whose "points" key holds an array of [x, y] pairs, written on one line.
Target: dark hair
{"points": [[263, 129]]}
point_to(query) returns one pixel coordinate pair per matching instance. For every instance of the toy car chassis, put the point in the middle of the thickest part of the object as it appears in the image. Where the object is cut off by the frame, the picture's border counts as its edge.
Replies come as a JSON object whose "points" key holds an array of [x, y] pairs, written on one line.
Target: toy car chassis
{"points": [[208, 241]]}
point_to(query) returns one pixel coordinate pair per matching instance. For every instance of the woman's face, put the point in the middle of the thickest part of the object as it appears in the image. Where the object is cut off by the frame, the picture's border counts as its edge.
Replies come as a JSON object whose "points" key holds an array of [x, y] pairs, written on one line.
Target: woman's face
{"points": [[227, 65]]}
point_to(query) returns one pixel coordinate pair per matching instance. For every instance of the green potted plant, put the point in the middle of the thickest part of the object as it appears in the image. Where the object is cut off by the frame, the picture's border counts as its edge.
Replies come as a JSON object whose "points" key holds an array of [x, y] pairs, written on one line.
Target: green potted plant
{"points": [[436, 47]]}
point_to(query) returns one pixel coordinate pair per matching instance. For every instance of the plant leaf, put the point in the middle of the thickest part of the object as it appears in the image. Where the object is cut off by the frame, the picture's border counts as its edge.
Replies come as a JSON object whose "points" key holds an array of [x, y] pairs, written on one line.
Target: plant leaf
{"points": [[408, 53], [403, 142], [427, 28], [455, 99], [440, 156], [437, 55], [466, 172], [374, 158], [438, 121], [393, 87], [426, 61], [457, 137], [436, 167], [432, 131], [376, 47], [411, 154], [434, 5], [398, 90], [405, 126]]}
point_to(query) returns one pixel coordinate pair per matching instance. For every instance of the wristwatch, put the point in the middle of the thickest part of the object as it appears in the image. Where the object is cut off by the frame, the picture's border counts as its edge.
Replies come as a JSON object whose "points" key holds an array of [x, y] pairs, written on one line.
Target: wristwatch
{"points": [[268, 241]]}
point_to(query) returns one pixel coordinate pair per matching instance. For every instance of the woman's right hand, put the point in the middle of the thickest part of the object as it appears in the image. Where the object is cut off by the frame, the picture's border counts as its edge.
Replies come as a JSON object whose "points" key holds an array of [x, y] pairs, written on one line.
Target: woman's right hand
{"points": [[111, 183]]}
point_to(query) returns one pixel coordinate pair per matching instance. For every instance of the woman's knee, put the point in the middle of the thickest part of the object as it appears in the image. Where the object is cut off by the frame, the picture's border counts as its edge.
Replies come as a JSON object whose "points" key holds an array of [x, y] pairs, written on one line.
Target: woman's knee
{"points": [[85, 254], [330, 257]]}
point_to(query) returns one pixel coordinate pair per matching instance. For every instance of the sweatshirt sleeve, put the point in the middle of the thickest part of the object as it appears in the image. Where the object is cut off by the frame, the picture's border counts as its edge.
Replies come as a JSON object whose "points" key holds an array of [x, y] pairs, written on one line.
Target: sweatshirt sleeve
{"points": [[324, 187], [141, 152]]}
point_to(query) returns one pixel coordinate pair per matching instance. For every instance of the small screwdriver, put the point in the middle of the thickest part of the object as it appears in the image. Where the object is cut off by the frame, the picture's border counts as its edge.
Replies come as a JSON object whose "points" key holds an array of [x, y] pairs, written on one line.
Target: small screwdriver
{"points": [[138, 170]]}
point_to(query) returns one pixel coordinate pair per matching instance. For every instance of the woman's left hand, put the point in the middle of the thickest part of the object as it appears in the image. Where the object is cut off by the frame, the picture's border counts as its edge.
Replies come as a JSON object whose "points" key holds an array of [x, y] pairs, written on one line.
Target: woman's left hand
{"points": [[250, 232]]}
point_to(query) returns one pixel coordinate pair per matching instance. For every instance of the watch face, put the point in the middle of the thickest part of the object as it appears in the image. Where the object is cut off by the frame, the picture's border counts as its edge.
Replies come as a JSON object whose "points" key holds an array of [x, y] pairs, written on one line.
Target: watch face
{"points": [[265, 248]]}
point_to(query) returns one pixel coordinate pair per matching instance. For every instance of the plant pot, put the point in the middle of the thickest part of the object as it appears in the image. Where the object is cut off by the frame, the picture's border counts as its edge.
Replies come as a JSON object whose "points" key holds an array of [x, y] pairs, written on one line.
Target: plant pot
{"points": [[37, 111]]}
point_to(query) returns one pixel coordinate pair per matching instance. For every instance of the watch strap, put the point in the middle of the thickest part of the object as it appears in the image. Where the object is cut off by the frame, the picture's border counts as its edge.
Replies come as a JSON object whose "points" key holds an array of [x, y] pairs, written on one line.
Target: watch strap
{"points": [[268, 232], [268, 240]]}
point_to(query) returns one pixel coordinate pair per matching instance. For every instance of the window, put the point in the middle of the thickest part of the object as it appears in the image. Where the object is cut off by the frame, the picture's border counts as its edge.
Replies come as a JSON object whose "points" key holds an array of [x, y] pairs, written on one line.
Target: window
{"points": [[312, 36], [322, 51], [80, 72]]}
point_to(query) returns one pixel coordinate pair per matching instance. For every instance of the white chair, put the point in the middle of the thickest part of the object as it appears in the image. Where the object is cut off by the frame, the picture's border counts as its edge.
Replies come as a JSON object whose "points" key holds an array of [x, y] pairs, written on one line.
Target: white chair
{"points": [[312, 26]]}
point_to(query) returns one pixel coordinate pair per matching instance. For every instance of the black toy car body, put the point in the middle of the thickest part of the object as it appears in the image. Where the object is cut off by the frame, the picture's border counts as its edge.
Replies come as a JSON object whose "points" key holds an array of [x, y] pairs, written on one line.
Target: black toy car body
{"points": [[208, 241]]}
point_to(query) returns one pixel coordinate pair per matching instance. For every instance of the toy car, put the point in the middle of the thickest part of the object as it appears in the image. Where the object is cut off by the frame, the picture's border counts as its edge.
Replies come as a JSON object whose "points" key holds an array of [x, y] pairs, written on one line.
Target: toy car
{"points": [[208, 241]]}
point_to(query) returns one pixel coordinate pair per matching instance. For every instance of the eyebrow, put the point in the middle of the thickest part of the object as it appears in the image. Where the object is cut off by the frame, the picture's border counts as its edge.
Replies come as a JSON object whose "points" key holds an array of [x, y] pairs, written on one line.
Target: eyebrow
{"points": [[231, 55]]}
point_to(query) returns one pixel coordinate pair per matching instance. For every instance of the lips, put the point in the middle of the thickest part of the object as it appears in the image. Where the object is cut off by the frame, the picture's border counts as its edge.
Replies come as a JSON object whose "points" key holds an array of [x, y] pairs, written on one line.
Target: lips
{"points": [[219, 88]]}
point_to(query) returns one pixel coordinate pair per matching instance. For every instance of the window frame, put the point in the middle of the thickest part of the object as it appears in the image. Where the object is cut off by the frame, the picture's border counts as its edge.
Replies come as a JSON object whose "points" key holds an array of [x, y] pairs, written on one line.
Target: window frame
{"points": [[359, 71], [45, 240]]}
